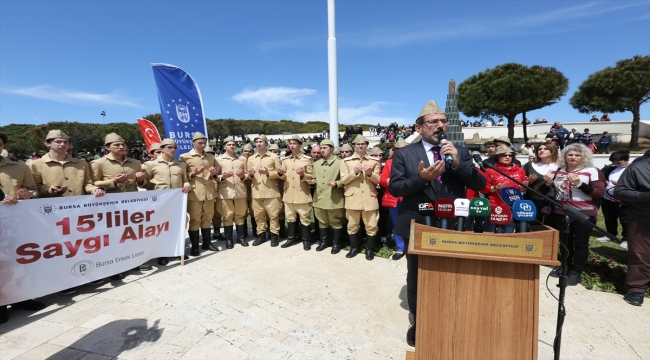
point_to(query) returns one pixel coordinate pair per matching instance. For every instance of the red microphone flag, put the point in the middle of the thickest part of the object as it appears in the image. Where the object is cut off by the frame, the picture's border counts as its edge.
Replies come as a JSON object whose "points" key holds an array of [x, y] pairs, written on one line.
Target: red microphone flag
{"points": [[149, 132]]}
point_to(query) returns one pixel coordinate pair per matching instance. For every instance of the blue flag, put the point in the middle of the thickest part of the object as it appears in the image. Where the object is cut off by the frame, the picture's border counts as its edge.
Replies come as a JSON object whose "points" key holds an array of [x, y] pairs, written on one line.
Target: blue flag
{"points": [[181, 105]]}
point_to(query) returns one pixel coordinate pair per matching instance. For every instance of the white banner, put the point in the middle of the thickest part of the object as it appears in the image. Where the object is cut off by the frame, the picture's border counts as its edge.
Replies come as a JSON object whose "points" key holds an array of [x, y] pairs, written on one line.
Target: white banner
{"points": [[52, 244]]}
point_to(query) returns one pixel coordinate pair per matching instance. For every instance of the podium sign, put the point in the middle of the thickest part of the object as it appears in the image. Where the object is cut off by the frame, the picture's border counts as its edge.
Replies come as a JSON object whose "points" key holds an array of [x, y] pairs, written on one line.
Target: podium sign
{"points": [[478, 294]]}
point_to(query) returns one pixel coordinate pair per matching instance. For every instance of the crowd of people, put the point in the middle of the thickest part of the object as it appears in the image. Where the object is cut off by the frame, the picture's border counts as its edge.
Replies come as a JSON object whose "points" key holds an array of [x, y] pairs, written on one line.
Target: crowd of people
{"points": [[353, 194]]}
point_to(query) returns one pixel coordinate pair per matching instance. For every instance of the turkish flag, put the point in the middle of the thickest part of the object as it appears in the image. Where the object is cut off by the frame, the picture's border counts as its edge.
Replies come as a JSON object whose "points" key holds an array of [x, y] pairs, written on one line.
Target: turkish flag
{"points": [[149, 132]]}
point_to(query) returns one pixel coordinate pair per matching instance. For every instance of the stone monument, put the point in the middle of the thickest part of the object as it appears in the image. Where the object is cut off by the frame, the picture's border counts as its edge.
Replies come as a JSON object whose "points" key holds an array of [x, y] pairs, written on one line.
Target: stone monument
{"points": [[455, 132]]}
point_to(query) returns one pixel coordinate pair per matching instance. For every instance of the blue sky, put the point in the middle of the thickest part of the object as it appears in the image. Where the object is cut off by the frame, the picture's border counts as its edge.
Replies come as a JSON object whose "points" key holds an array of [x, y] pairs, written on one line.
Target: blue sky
{"points": [[70, 60]]}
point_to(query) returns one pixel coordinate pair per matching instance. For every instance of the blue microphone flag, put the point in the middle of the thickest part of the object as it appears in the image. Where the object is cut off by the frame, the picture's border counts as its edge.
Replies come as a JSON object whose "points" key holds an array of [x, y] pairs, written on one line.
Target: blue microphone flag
{"points": [[524, 210], [510, 195], [181, 105]]}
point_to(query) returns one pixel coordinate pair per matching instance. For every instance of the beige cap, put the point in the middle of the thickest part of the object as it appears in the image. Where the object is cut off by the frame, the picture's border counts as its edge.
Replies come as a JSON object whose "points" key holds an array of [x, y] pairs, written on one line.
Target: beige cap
{"points": [[209, 149], [376, 151], [261, 137], [336, 151], [57, 134], [247, 147], [198, 135], [168, 141], [430, 108], [400, 143], [360, 139], [274, 147], [295, 137], [346, 147], [154, 147], [502, 149], [228, 139], [111, 138], [327, 142], [503, 139]]}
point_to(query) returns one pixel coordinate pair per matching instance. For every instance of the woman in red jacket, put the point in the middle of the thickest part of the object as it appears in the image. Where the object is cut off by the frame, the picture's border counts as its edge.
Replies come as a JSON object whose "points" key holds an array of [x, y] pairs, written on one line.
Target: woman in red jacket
{"points": [[389, 201], [496, 181]]}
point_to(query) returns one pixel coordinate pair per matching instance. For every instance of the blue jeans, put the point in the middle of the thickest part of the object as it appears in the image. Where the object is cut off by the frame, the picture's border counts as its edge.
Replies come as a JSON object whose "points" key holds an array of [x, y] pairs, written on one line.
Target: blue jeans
{"points": [[399, 242], [510, 228]]}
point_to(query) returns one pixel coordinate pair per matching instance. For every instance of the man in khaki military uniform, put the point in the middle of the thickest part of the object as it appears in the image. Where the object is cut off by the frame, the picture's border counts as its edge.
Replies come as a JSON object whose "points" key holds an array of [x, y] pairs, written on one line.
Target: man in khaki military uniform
{"points": [[329, 204], [116, 172], [263, 168], [296, 171], [154, 152], [232, 193], [346, 150], [165, 172], [248, 151], [216, 218], [16, 183], [274, 148], [59, 174], [360, 175], [202, 171]]}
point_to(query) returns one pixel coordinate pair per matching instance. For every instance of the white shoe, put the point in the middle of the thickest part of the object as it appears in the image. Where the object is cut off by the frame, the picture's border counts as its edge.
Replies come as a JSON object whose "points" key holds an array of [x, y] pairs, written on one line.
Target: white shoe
{"points": [[602, 239], [623, 245]]}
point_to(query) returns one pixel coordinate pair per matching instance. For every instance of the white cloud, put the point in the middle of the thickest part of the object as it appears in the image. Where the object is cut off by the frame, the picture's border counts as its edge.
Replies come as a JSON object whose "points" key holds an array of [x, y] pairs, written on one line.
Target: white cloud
{"points": [[367, 114], [272, 96], [71, 96]]}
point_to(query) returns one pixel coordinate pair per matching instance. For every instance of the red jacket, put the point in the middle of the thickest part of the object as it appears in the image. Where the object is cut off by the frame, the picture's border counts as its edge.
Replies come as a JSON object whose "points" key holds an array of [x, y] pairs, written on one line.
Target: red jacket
{"points": [[494, 178], [387, 200]]}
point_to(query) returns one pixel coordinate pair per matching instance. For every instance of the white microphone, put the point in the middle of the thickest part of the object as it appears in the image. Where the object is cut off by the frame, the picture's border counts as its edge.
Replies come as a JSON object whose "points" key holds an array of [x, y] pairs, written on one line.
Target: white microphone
{"points": [[461, 210]]}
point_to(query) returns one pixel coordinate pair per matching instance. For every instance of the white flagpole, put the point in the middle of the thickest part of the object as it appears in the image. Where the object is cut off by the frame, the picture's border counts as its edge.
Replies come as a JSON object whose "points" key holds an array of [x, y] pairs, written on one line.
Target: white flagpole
{"points": [[332, 73]]}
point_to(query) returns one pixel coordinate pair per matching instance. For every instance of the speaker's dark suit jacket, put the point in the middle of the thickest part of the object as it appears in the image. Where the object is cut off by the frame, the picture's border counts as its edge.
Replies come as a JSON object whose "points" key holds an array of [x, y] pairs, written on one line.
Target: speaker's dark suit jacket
{"points": [[406, 182]]}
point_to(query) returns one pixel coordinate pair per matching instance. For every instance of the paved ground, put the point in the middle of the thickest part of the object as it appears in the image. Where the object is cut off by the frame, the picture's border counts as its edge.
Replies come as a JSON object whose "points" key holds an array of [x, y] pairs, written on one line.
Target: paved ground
{"points": [[271, 303]]}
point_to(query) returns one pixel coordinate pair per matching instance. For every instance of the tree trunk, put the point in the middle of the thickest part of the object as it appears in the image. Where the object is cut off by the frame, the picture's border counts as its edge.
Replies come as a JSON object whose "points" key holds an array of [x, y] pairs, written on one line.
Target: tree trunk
{"points": [[511, 126], [634, 140], [523, 123]]}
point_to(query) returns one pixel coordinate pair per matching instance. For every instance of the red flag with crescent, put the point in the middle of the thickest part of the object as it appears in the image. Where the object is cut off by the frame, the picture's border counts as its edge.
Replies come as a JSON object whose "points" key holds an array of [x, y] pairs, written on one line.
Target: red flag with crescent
{"points": [[149, 132]]}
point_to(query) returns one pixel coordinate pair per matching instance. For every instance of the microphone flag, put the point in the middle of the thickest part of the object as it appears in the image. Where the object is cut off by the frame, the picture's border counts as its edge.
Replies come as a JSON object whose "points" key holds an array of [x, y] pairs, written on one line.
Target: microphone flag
{"points": [[149, 132], [479, 207], [181, 105], [444, 209], [510, 195], [524, 210], [500, 215]]}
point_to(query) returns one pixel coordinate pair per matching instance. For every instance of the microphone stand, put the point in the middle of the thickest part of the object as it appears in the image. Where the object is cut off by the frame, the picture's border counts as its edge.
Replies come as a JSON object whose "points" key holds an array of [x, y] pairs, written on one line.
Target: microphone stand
{"points": [[572, 214]]}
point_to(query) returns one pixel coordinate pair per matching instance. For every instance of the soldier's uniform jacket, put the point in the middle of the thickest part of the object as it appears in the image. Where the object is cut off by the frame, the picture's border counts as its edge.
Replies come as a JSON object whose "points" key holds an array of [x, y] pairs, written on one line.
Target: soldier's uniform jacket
{"points": [[103, 170], [166, 175], [360, 189], [325, 196], [247, 180], [73, 173], [233, 187], [204, 186], [296, 188], [265, 186], [15, 175]]}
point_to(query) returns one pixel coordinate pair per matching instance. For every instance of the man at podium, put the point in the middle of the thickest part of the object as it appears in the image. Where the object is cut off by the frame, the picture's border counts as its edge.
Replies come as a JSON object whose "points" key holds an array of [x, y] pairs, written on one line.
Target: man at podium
{"points": [[425, 171]]}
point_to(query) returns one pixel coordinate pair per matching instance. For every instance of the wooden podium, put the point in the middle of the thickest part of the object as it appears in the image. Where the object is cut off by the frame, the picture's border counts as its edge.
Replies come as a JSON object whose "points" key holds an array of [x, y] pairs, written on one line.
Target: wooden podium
{"points": [[478, 293]]}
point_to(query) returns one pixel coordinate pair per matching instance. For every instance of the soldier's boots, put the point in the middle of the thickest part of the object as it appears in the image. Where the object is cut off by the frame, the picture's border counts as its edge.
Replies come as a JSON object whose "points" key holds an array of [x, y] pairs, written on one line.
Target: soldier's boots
{"points": [[275, 240], [305, 233], [315, 235], [254, 226], [336, 241], [229, 241], [291, 234], [241, 235], [207, 242], [261, 239], [194, 240], [283, 229], [354, 246], [370, 247], [268, 229], [324, 239]]}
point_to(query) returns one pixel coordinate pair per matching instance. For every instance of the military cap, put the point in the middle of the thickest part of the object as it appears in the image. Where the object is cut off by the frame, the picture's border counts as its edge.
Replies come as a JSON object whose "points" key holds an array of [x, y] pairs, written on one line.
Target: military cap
{"points": [[430, 108], [111, 138], [209, 149], [168, 141], [502, 149], [327, 142], [274, 147], [57, 134], [503, 139], [247, 147], [261, 137], [198, 135], [346, 147], [228, 139], [360, 139], [400, 143], [375, 151], [154, 147], [295, 138], [336, 151]]}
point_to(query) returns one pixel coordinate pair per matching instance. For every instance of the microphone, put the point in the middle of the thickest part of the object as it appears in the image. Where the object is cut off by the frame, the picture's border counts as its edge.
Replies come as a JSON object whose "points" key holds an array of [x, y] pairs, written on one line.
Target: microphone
{"points": [[479, 208], [478, 159], [510, 194], [444, 210], [524, 211], [461, 211], [426, 210], [500, 216], [442, 137]]}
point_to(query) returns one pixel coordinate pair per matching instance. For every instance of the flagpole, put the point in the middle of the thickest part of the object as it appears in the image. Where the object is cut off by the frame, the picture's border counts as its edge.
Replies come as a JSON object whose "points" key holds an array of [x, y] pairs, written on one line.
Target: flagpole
{"points": [[332, 73]]}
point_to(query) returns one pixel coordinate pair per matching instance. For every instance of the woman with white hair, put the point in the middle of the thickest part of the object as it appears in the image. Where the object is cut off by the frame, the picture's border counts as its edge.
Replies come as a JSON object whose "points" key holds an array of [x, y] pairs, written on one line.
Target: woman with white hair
{"points": [[579, 184]]}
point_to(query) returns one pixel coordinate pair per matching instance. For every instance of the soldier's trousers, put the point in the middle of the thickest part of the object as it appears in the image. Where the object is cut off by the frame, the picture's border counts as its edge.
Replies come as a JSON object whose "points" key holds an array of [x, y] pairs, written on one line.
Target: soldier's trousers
{"points": [[330, 217], [232, 210], [369, 219], [201, 213], [267, 207], [216, 218], [303, 211]]}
